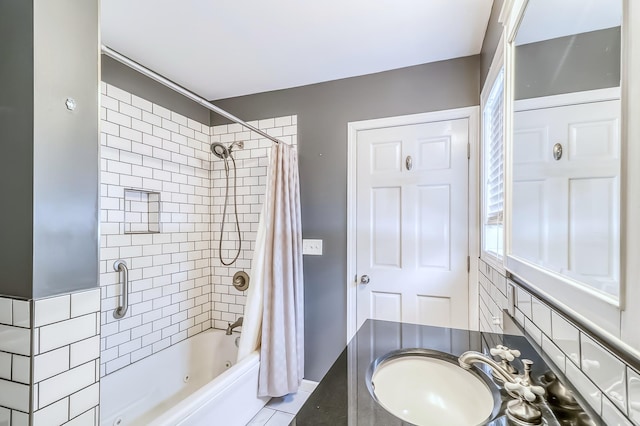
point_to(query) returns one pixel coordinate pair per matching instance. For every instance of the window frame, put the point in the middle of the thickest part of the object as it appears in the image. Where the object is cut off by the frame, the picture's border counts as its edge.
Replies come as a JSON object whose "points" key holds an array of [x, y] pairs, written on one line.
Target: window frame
{"points": [[610, 320], [496, 71]]}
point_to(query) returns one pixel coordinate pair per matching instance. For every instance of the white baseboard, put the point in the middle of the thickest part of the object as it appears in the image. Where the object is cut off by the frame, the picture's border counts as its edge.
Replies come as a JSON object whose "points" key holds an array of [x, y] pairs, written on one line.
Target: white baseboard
{"points": [[308, 385]]}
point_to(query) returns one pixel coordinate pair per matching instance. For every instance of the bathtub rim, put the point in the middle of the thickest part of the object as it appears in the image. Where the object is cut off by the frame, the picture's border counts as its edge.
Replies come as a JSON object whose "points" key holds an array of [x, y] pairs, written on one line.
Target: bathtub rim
{"points": [[200, 396], [198, 399]]}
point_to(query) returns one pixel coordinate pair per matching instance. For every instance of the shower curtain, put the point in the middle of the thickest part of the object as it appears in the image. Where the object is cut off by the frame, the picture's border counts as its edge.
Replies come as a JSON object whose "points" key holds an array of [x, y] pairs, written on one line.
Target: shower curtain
{"points": [[275, 299]]}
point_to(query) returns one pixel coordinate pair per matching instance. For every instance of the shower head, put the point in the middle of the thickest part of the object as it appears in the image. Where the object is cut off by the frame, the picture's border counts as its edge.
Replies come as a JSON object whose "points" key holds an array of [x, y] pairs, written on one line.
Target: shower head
{"points": [[219, 150], [239, 144], [222, 152]]}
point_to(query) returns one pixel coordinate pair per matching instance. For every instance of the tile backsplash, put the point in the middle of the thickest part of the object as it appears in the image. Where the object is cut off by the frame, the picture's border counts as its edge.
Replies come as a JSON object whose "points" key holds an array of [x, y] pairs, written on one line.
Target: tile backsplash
{"points": [[609, 385]]}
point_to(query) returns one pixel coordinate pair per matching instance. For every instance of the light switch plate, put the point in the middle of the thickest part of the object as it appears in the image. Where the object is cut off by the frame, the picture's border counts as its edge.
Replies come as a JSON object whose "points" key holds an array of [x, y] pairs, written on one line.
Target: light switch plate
{"points": [[312, 247]]}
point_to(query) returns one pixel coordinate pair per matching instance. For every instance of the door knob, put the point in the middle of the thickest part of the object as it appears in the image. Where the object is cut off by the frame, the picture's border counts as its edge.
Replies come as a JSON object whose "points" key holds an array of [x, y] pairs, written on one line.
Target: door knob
{"points": [[409, 162], [364, 279], [557, 151]]}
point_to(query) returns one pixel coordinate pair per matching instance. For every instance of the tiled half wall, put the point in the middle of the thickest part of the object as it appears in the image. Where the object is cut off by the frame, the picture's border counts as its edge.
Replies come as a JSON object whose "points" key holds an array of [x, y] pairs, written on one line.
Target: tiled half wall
{"points": [[178, 287], [15, 361], [49, 368], [66, 352], [607, 383]]}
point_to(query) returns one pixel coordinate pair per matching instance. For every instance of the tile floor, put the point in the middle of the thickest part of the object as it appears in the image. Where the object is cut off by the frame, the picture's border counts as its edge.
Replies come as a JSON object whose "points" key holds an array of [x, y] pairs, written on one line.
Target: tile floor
{"points": [[280, 411]]}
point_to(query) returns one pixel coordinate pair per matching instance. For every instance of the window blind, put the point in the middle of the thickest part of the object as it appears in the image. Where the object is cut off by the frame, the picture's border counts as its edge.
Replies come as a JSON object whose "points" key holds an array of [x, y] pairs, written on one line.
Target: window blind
{"points": [[494, 161]]}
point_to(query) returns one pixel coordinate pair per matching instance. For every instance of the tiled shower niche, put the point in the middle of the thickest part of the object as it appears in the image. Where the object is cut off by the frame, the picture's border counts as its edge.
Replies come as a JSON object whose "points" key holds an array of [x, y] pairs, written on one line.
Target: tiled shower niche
{"points": [[141, 212]]}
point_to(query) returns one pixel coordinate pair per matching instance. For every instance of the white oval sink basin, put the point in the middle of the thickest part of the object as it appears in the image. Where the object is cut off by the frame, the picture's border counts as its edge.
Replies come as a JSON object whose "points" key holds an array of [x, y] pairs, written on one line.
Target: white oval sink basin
{"points": [[429, 388]]}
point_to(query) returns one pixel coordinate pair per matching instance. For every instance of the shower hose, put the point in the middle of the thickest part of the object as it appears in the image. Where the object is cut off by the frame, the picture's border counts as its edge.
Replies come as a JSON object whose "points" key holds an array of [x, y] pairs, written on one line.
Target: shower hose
{"points": [[235, 210]]}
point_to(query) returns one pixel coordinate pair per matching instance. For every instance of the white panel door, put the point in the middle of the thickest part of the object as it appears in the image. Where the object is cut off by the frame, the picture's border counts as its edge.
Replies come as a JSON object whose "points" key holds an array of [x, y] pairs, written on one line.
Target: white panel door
{"points": [[412, 223], [565, 211]]}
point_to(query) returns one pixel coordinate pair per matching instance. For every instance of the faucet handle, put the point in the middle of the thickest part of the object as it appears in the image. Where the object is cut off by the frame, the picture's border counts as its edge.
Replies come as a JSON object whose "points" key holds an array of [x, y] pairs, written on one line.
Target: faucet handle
{"points": [[524, 389], [505, 353]]}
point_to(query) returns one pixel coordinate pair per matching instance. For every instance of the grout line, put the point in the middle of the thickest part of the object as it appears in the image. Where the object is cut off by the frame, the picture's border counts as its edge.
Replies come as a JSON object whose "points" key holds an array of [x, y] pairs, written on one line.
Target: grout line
{"points": [[578, 367], [65, 371]]}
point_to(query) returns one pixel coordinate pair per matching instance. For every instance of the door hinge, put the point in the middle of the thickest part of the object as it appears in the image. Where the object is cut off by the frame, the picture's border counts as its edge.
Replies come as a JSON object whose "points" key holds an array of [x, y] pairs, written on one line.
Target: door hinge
{"points": [[468, 263], [468, 150]]}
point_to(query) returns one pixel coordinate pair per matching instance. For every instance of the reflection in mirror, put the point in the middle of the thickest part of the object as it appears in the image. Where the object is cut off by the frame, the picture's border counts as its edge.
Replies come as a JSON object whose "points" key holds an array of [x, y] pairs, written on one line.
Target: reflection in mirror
{"points": [[566, 141]]}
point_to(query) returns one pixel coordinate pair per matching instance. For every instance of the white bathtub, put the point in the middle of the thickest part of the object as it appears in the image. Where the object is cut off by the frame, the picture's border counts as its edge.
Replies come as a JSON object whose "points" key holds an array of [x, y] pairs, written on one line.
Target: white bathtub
{"points": [[195, 382]]}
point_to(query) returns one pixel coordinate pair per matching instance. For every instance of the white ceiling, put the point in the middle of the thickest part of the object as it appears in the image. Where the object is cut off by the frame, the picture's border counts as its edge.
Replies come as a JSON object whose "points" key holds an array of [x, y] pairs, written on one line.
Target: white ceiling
{"points": [[547, 19], [226, 48]]}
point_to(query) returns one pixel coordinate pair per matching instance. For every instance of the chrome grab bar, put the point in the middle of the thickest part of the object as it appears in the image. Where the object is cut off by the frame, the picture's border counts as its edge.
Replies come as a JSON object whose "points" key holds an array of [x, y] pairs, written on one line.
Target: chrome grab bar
{"points": [[121, 311]]}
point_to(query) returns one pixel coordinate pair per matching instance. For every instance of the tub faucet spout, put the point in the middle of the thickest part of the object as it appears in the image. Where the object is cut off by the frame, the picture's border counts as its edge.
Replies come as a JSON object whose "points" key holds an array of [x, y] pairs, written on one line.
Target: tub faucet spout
{"points": [[236, 324]]}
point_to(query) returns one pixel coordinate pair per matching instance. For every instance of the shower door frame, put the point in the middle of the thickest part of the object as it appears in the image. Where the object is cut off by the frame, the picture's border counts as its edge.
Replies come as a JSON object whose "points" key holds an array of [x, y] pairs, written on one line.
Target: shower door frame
{"points": [[470, 113]]}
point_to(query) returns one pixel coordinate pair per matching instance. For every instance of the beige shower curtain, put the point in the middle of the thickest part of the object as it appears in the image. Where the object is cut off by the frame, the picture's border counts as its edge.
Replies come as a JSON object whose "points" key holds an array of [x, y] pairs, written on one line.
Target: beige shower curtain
{"points": [[282, 349]]}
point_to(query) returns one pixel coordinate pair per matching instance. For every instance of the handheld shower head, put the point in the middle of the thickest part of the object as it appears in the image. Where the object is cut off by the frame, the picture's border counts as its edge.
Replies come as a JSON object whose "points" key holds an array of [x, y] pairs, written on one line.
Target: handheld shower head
{"points": [[219, 150], [222, 152]]}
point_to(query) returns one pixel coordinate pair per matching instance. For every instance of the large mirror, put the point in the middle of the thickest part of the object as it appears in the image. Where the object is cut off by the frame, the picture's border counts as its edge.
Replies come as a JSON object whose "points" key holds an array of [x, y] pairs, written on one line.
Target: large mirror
{"points": [[565, 149]]}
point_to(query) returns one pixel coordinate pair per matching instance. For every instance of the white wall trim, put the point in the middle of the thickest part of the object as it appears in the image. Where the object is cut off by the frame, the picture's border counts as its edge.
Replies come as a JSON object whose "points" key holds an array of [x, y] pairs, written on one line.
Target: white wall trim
{"points": [[505, 12], [565, 99], [630, 184], [470, 113], [474, 217], [497, 64]]}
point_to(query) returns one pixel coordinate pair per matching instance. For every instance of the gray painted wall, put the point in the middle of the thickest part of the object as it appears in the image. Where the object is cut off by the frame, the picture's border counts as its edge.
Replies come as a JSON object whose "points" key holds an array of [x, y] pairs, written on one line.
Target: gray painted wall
{"points": [[119, 75], [569, 64], [323, 113], [16, 147], [491, 39], [65, 147], [49, 161]]}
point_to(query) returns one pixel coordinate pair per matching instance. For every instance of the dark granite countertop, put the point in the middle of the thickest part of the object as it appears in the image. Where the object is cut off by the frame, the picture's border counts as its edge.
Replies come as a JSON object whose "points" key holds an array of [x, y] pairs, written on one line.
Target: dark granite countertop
{"points": [[342, 397]]}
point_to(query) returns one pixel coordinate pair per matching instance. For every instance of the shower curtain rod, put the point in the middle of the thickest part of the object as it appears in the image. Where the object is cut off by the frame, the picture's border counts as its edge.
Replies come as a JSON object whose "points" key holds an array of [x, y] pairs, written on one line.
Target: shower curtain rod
{"points": [[176, 87]]}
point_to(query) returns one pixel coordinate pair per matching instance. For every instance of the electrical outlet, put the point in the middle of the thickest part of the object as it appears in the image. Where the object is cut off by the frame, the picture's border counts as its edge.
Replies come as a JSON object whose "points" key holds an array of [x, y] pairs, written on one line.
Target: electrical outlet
{"points": [[312, 247]]}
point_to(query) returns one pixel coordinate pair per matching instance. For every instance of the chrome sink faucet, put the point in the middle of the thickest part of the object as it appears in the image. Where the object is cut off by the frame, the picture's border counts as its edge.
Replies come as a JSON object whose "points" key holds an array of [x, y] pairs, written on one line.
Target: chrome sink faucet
{"points": [[507, 356], [236, 324], [520, 387], [469, 358]]}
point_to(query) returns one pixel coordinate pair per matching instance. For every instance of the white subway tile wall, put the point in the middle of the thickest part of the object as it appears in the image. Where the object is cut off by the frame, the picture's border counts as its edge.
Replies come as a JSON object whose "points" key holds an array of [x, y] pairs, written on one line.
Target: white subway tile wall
{"points": [[251, 163], [178, 287], [633, 387], [493, 299], [607, 383], [66, 353], [147, 147], [15, 353]]}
